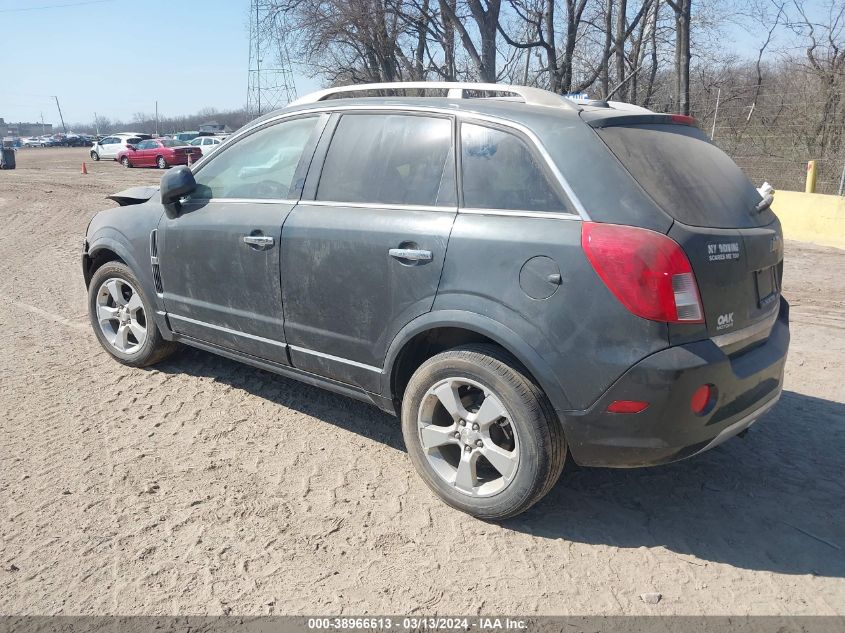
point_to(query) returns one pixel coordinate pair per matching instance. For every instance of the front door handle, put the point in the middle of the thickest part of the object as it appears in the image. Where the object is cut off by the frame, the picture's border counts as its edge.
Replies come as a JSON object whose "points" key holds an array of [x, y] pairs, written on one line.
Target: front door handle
{"points": [[410, 254], [264, 241]]}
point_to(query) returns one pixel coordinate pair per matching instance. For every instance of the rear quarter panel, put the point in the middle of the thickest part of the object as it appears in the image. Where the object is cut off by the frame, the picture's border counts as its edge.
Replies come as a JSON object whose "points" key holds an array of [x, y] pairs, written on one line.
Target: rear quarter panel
{"points": [[581, 331]]}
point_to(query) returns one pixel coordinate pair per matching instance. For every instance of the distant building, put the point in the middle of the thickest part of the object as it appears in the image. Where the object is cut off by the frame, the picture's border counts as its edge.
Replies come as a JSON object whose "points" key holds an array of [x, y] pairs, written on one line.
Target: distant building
{"points": [[213, 127], [24, 129]]}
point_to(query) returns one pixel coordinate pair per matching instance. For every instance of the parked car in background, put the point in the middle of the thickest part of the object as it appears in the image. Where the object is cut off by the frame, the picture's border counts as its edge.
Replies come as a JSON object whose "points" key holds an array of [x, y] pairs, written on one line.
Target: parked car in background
{"points": [[186, 136], [620, 303], [76, 140], [207, 144], [34, 142], [110, 146], [161, 153]]}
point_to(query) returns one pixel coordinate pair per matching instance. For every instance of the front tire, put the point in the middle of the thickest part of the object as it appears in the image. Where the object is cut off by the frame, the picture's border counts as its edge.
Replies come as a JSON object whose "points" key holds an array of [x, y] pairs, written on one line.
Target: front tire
{"points": [[480, 433], [125, 162], [95, 156], [161, 162], [122, 317]]}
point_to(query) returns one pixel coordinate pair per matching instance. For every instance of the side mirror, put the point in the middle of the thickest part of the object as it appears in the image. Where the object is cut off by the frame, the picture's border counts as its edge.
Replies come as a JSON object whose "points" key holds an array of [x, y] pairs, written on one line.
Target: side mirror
{"points": [[177, 183]]}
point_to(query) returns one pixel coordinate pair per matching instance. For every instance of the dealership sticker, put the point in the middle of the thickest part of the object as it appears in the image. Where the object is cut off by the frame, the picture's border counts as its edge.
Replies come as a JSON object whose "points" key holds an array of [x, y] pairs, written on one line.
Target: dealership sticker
{"points": [[722, 251]]}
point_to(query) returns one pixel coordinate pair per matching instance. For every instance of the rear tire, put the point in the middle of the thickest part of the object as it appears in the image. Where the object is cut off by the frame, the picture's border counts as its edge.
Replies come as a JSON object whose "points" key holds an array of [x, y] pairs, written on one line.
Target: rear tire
{"points": [[95, 156], [122, 317], [161, 163], [500, 450]]}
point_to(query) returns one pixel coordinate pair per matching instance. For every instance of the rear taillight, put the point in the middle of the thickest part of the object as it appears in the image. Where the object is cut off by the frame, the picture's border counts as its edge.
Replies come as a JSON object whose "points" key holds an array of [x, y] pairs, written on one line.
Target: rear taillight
{"points": [[683, 119], [647, 271]]}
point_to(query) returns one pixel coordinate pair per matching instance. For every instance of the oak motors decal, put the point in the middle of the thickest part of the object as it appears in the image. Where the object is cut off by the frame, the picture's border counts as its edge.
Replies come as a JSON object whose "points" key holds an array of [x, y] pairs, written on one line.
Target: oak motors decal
{"points": [[725, 321], [722, 251]]}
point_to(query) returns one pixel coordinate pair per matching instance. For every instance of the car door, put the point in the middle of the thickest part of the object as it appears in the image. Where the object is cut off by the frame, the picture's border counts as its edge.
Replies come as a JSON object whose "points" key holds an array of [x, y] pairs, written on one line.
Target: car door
{"points": [[362, 252], [138, 155], [109, 147], [219, 257]]}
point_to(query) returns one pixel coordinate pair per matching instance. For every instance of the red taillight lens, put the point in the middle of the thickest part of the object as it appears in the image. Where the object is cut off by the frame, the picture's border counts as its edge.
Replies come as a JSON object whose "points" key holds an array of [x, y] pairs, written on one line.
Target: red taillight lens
{"points": [[627, 406], [647, 271], [683, 119], [703, 399]]}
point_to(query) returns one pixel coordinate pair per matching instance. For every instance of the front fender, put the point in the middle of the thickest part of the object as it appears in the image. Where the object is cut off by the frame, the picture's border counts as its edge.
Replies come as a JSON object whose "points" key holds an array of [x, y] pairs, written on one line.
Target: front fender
{"points": [[495, 331]]}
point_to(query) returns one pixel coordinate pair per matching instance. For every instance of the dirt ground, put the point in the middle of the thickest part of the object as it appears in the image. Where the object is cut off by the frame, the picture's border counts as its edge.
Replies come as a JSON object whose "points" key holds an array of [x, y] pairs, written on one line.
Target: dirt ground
{"points": [[204, 487]]}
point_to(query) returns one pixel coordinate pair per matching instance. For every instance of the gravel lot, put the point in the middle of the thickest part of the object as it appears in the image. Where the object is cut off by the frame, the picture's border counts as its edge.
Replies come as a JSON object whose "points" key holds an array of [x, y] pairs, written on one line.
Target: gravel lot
{"points": [[204, 487]]}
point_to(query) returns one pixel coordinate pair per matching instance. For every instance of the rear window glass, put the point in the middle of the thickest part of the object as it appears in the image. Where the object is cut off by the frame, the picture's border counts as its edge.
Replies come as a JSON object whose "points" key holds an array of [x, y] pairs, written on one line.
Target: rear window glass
{"points": [[172, 143], [691, 179], [499, 171], [393, 159], [133, 141]]}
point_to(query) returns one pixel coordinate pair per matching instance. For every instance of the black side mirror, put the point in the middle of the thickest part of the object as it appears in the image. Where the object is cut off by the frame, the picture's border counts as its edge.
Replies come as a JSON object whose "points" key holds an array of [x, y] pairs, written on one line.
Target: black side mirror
{"points": [[177, 183]]}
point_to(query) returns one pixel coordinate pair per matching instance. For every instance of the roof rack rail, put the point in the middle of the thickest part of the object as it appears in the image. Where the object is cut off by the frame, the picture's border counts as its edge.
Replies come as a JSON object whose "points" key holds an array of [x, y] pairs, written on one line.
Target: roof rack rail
{"points": [[531, 96]]}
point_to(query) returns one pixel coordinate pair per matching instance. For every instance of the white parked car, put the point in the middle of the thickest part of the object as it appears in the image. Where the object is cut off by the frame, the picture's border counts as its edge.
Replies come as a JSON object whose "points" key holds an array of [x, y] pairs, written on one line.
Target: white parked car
{"points": [[111, 145], [206, 143], [34, 142]]}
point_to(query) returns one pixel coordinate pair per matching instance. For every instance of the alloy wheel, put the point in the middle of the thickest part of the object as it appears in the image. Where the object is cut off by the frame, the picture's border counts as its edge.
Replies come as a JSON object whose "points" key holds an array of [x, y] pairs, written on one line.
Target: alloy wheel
{"points": [[121, 316], [467, 437]]}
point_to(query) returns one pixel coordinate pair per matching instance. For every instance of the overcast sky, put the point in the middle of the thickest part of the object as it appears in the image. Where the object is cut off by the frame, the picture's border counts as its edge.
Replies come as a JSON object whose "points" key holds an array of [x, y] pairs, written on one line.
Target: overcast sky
{"points": [[117, 57]]}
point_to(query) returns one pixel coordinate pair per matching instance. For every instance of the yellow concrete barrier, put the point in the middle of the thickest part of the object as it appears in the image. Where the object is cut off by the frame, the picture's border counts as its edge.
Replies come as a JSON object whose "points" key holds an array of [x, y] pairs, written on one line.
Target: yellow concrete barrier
{"points": [[811, 217]]}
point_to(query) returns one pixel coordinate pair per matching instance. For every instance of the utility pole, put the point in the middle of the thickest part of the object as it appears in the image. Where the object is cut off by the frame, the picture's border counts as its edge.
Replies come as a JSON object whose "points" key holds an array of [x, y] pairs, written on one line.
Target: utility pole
{"points": [[156, 118], [42, 124], [96, 125], [64, 129]]}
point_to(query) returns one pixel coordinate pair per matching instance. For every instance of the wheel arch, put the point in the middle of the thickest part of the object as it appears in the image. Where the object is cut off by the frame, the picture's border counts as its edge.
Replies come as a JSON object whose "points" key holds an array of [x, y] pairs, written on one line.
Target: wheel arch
{"points": [[435, 332]]}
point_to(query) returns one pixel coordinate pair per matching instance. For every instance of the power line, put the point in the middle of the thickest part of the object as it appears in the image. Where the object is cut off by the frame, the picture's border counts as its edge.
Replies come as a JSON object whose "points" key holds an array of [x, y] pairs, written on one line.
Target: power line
{"points": [[54, 6]]}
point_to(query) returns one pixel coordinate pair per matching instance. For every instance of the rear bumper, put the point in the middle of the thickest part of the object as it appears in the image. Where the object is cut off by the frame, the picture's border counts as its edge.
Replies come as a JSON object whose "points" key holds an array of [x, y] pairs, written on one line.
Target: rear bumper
{"points": [[749, 385]]}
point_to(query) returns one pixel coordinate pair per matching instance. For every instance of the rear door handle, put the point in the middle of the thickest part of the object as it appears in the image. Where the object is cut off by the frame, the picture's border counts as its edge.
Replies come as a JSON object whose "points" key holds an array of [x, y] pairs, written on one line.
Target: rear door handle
{"points": [[410, 254], [265, 241]]}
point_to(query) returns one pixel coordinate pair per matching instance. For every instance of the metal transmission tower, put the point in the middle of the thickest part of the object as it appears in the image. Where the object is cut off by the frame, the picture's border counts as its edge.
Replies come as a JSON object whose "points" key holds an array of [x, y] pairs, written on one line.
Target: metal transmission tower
{"points": [[271, 84]]}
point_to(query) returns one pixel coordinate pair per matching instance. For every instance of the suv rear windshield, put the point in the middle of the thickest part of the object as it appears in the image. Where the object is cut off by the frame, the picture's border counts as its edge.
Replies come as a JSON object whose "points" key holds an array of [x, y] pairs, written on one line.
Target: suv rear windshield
{"points": [[691, 179]]}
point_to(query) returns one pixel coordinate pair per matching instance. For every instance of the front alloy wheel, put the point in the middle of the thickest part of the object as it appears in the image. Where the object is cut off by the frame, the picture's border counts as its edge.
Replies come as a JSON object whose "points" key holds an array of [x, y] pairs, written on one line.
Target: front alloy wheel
{"points": [[122, 317]]}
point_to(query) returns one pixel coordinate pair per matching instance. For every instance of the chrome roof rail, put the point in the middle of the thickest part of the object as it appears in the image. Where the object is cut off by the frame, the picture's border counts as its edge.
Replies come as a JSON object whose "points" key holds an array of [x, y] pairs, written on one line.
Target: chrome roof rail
{"points": [[531, 96]]}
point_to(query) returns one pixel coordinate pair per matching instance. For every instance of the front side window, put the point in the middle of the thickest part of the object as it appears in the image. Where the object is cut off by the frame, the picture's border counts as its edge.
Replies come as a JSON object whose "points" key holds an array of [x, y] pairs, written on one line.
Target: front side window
{"points": [[500, 171], [389, 159], [261, 166]]}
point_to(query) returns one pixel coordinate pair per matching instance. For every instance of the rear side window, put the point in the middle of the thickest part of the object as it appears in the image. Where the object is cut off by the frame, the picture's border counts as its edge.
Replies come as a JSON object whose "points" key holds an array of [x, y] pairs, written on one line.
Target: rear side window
{"points": [[686, 175], [389, 159], [499, 171], [133, 141]]}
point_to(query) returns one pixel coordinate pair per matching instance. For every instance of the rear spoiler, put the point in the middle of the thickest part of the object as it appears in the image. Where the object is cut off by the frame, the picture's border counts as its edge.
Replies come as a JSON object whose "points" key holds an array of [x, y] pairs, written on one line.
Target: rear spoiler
{"points": [[133, 195], [606, 119]]}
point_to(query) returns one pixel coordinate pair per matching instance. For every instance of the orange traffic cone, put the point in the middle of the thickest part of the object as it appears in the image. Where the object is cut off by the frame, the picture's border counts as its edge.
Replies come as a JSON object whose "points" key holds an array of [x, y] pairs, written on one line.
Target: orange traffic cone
{"points": [[84, 168]]}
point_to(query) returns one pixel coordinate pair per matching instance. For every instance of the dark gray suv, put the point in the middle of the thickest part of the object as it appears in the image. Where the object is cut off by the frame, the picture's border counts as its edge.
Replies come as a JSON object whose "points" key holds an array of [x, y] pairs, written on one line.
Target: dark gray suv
{"points": [[519, 277]]}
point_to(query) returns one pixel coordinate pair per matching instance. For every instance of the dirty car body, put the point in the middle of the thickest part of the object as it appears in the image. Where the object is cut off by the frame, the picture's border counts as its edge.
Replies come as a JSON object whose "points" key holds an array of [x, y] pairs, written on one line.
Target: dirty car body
{"points": [[621, 262]]}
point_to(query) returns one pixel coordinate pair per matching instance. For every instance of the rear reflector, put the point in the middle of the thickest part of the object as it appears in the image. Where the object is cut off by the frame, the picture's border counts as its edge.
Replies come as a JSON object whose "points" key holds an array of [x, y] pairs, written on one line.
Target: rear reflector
{"points": [[627, 406], [648, 272], [703, 399]]}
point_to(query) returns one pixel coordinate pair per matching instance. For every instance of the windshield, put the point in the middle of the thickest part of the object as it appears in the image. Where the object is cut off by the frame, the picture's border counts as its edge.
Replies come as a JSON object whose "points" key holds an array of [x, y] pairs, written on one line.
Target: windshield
{"points": [[686, 175]]}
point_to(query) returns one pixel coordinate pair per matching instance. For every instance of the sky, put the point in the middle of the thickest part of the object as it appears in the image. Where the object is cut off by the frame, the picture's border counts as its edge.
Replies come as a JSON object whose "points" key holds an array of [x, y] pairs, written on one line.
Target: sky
{"points": [[117, 57]]}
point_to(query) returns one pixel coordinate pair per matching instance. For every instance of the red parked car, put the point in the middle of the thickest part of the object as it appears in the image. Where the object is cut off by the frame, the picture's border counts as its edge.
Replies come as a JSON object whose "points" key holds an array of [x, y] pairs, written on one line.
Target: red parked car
{"points": [[161, 153]]}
